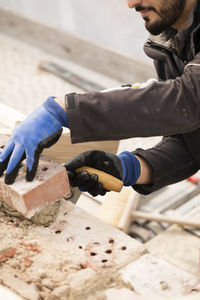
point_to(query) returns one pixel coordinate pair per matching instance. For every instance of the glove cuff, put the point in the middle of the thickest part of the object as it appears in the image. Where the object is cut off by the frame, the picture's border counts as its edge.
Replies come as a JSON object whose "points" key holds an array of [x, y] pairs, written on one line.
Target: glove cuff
{"points": [[56, 110], [131, 168]]}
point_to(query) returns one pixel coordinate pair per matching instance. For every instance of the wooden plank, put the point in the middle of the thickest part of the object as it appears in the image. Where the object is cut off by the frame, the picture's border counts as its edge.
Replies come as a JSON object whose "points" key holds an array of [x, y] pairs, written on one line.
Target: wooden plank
{"points": [[113, 206], [164, 218], [63, 150], [75, 49], [131, 204], [9, 117]]}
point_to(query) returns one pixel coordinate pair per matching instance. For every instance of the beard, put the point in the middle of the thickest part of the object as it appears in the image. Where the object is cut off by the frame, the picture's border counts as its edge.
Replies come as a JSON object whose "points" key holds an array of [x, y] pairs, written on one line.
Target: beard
{"points": [[169, 12]]}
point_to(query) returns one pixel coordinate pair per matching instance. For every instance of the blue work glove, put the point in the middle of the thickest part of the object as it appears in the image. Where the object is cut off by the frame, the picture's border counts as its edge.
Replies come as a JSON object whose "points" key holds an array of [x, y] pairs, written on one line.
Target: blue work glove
{"points": [[124, 166], [41, 129]]}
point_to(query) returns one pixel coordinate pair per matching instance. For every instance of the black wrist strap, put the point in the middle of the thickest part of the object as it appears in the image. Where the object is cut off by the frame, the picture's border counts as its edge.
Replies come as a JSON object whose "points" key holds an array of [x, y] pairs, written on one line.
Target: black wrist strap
{"points": [[69, 101]]}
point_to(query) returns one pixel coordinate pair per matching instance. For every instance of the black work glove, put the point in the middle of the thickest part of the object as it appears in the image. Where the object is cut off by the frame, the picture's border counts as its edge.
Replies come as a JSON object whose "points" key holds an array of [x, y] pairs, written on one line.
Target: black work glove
{"points": [[104, 161]]}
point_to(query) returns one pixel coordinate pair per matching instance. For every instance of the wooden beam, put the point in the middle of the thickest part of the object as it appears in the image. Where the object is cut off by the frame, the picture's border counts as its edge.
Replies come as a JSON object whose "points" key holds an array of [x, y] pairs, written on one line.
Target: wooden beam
{"points": [[75, 49], [63, 150]]}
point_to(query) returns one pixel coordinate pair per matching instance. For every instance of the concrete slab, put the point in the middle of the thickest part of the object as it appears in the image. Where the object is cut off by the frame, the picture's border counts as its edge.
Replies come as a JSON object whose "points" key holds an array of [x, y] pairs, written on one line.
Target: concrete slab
{"points": [[125, 294], [178, 247], [151, 276]]}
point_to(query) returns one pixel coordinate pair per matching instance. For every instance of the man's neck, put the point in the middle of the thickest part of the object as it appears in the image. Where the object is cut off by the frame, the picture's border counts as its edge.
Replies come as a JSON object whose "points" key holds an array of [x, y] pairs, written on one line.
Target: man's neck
{"points": [[182, 22]]}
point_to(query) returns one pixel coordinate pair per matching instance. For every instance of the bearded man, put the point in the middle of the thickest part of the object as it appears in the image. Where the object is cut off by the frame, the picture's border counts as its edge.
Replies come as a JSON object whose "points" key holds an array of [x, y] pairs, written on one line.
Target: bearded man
{"points": [[168, 106]]}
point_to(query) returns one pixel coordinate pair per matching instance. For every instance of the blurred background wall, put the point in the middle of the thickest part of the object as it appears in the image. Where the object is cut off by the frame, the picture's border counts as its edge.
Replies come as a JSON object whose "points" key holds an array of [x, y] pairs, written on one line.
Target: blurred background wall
{"points": [[107, 22]]}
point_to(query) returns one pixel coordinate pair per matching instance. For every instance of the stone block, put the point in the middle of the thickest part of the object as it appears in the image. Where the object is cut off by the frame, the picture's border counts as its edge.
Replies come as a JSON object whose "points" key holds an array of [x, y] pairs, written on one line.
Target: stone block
{"points": [[179, 247], [153, 277]]}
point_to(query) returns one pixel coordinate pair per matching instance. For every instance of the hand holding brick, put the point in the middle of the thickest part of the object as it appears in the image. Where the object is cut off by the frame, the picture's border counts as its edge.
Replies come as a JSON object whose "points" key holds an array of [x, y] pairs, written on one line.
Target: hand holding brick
{"points": [[50, 184]]}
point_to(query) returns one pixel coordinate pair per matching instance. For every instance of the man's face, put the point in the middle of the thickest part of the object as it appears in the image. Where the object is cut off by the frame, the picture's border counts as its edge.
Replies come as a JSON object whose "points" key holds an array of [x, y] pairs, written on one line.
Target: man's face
{"points": [[158, 14]]}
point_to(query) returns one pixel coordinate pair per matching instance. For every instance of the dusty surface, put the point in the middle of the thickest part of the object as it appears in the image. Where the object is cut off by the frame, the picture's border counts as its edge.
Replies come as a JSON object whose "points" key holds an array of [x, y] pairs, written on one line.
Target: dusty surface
{"points": [[78, 257], [45, 217], [63, 261]]}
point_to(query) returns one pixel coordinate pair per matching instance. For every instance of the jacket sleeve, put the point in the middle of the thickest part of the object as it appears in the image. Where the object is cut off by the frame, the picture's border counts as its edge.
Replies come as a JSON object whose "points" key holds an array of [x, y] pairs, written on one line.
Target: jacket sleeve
{"points": [[162, 108], [170, 161]]}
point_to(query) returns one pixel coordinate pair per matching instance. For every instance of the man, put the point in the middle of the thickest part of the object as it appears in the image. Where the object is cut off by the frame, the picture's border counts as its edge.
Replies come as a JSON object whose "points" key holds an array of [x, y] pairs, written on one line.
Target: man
{"points": [[169, 106]]}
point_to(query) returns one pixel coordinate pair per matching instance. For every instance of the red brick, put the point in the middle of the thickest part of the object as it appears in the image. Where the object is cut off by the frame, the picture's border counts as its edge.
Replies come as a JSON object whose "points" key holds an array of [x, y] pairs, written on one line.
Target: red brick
{"points": [[49, 185]]}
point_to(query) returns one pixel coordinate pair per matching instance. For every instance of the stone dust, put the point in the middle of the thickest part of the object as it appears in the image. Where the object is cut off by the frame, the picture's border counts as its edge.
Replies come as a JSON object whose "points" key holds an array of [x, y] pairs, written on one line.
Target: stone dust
{"points": [[45, 217], [36, 264]]}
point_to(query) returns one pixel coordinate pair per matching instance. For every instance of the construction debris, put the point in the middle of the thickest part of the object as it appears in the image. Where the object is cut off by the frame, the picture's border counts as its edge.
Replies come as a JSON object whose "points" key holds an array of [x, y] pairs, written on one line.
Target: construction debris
{"points": [[64, 260]]}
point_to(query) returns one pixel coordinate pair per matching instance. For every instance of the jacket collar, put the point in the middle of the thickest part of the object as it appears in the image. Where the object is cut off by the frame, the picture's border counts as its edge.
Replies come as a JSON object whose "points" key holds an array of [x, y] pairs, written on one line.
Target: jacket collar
{"points": [[176, 41]]}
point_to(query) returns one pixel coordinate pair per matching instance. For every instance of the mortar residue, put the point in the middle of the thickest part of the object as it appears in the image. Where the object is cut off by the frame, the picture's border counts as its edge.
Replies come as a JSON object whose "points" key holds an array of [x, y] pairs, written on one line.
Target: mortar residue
{"points": [[45, 217]]}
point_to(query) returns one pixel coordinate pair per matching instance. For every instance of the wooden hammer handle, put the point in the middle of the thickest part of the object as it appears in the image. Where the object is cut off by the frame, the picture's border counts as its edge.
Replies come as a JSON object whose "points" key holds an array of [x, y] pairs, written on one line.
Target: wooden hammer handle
{"points": [[165, 219], [109, 182]]}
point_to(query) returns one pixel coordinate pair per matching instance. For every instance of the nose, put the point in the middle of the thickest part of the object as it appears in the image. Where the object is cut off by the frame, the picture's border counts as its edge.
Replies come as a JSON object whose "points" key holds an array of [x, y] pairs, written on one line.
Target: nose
{"points": [[133, 3]]}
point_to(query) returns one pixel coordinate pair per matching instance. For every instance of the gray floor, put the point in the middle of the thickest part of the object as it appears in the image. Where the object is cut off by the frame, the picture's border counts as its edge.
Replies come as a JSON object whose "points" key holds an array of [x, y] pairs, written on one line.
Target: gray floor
{"points": [[110, 23]]}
